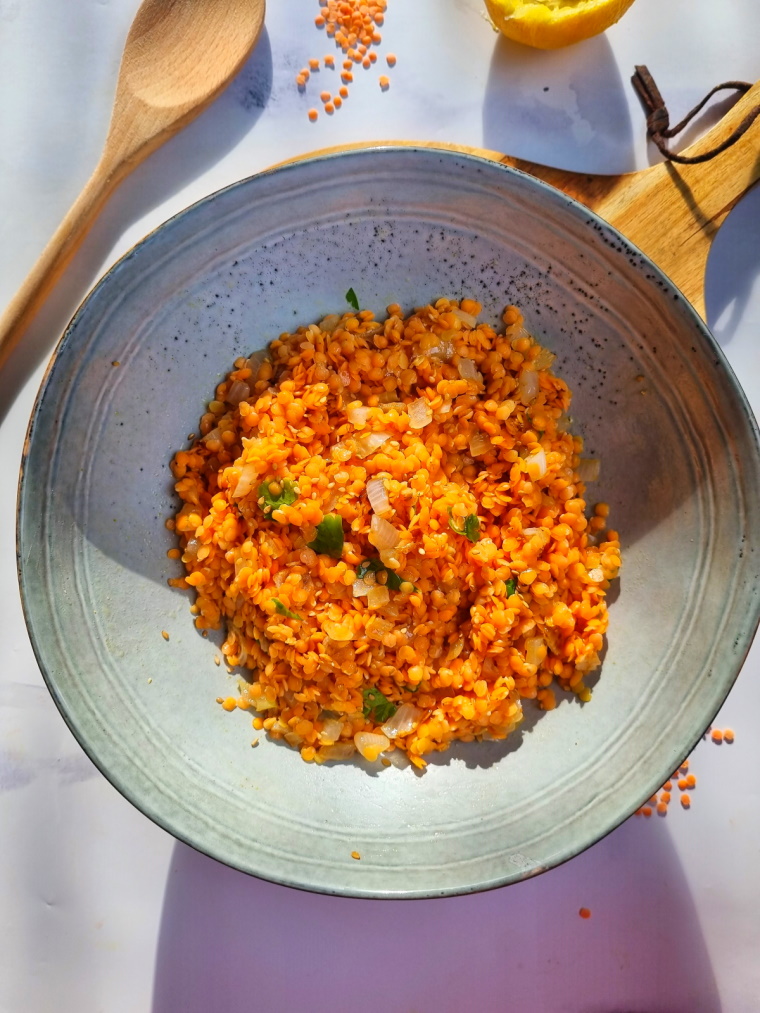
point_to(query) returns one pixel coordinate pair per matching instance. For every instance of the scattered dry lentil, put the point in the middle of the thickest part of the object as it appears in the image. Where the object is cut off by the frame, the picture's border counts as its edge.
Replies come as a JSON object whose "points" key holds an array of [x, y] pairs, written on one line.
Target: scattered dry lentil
{"points": [[164, 634], [584, 912], [353, 24]]}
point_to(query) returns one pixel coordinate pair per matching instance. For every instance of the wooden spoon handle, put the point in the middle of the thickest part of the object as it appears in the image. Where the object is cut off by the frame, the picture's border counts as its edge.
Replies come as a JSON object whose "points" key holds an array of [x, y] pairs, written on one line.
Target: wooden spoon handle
{"points": [[52, 261]]}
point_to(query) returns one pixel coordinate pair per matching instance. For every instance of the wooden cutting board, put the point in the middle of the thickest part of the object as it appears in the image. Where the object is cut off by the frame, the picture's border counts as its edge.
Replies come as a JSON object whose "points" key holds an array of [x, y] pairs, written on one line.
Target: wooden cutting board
{"points": [[670, 211]]}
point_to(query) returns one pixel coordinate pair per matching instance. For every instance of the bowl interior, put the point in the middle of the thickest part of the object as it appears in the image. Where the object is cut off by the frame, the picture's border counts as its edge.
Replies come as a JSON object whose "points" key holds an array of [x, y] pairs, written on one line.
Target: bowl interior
{"points": [[653, 398]]}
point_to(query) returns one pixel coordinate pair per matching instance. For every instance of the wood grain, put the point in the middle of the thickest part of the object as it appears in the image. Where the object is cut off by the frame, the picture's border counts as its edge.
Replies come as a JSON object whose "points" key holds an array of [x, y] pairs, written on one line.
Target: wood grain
{"points": [[671, 212]]}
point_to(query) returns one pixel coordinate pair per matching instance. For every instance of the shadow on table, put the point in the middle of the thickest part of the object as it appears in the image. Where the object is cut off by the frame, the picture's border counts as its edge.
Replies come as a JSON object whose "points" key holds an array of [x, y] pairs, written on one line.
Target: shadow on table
{"points": [[230, 943], [541, 102], [733, 268], [194, 150]]}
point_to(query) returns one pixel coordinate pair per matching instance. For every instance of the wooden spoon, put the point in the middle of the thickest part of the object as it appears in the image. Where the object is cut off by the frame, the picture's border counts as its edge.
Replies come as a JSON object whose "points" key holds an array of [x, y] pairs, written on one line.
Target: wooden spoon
{"points": [[671, 212], [179, 55]]}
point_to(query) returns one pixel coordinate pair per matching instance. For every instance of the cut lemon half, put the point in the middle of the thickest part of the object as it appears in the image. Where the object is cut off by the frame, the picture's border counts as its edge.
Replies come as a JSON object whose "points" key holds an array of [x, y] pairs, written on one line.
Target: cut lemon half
{"points": [[551, 24]]}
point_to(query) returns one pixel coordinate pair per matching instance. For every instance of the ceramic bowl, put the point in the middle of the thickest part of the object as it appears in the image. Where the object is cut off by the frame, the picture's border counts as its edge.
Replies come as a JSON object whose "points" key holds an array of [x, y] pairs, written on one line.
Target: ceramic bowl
{"points": [[654, 399]]}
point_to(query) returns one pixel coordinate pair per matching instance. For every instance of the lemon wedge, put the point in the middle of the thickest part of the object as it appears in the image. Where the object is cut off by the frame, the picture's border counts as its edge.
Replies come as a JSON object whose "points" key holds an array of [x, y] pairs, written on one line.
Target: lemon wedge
{"points": [[551, 24]]}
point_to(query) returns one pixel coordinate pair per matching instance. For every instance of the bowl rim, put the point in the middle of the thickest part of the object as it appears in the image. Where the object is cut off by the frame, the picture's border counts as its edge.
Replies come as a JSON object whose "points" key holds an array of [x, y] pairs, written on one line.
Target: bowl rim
{"points": [[368, 150]]}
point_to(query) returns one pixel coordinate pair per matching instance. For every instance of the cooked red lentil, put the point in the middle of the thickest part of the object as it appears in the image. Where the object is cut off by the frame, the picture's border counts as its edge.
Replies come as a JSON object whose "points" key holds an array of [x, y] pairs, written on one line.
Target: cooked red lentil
{"points": [[389, 519]]}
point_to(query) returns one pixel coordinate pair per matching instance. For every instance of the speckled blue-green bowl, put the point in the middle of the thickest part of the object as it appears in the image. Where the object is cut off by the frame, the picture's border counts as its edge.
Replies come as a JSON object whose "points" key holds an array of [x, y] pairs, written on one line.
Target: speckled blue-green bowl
{"points": [[654, 399]]}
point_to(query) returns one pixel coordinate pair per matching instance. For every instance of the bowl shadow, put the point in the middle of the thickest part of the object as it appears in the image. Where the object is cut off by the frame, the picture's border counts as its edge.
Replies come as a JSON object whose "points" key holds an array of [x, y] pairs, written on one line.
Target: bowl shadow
{"points": [[733, 268], [524, 945]]}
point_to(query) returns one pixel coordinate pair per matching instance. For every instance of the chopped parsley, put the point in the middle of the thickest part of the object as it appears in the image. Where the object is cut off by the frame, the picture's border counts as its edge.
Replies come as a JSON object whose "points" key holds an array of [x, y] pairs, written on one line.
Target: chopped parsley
{"points": [[329, 538], [470, 528], [377, 707], [276, 494], [511, 586], [394, 582], [283, 611], [352, 300]]}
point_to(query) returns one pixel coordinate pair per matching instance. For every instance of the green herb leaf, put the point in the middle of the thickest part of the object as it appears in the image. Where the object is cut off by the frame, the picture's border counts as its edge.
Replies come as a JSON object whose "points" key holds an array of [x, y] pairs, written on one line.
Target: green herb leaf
{"points": [[394, 581], [511, 586], [287, 494], [283, 611], [352, 300], [470, 529], [377, 707], [329, 538]]}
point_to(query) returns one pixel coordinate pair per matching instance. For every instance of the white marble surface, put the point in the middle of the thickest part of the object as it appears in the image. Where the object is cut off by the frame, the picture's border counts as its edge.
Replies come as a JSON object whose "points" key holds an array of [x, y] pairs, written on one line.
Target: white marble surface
{"points": [[102, 911]]}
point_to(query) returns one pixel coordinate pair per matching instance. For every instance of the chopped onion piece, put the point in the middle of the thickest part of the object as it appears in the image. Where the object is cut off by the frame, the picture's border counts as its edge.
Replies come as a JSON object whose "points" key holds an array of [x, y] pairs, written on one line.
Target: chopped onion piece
{"points": [[480, 443], [368, 443], [192, 547], [420, 413], [527, 388], [329, 323], [563, 423], [262, 704], [357, 415], [466, 318], [517, 333], [392, 610], [544, 359], [331, 731], [531, 531], [337, 751], [360, 589], [215, 436], [444, 349], [597, 574], [405, 720], [398, 759], [378, 628], [388, 559], [378, 596], [248, 476], [588, 469], [238, 392], [370, 744], [382, 534], [469, 371], [537, 464], [378, 497], [338, 631], [254, 361], [535, 650]]}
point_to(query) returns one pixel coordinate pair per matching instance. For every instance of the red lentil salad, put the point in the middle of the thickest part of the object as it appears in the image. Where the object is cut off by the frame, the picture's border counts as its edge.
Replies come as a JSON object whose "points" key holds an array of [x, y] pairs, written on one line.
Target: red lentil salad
{"points": [[389, 520]]}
